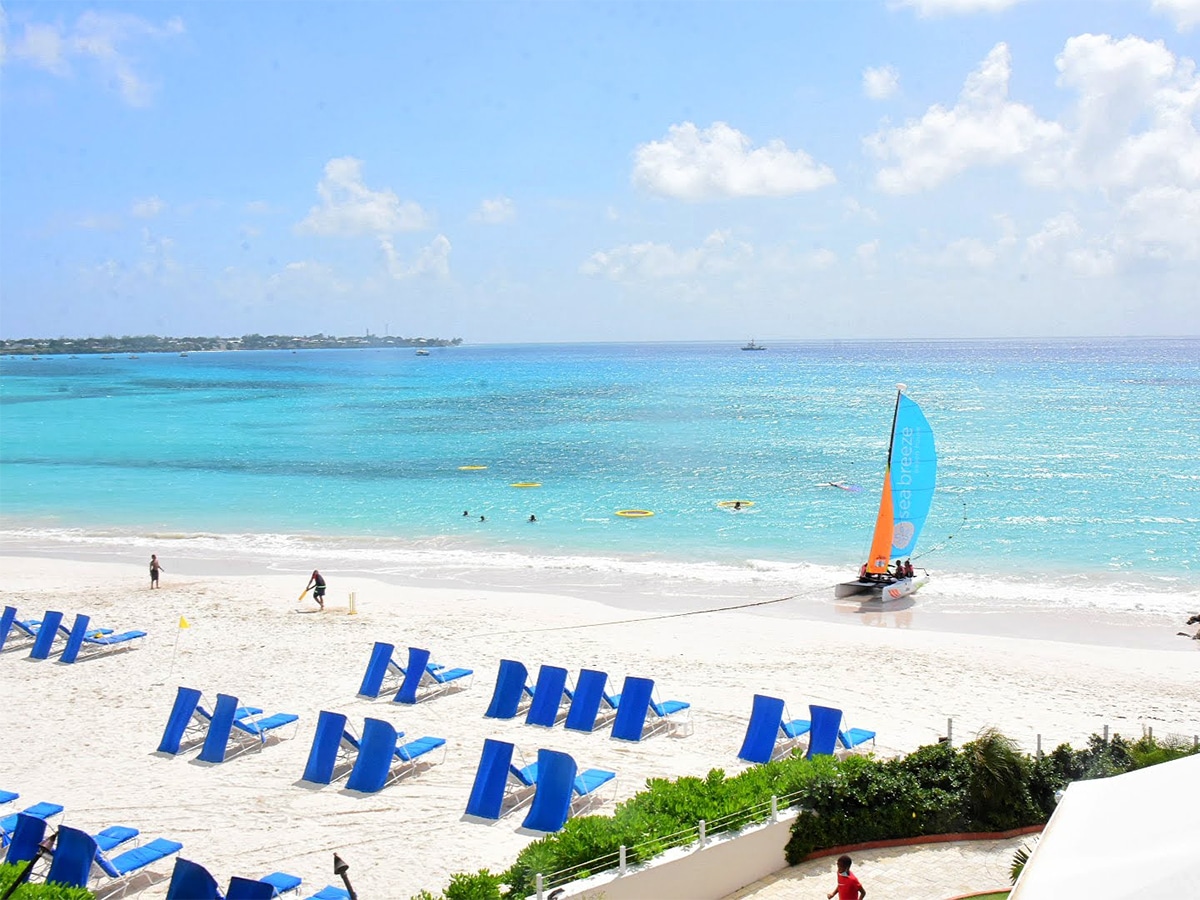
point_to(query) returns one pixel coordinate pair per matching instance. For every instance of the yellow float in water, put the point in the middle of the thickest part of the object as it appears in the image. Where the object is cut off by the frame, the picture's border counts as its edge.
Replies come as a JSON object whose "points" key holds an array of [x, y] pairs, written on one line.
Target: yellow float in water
{"points": [[635, 513], [735, 504], [526, 484], [471, 468]]}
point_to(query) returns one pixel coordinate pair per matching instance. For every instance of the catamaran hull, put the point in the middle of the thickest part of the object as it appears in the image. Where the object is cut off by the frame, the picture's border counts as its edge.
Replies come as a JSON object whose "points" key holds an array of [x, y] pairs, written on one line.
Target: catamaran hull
{"points": [[873, 590]]}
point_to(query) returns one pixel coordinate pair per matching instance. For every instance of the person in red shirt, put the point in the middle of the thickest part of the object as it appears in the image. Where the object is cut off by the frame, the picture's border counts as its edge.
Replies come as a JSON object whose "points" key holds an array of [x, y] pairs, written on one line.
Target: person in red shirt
{"points": [[848, 887]]}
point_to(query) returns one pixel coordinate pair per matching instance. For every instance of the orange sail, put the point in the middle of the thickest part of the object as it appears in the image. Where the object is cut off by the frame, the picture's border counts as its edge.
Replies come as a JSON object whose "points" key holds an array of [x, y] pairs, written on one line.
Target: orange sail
{"points": [[881, 541]]}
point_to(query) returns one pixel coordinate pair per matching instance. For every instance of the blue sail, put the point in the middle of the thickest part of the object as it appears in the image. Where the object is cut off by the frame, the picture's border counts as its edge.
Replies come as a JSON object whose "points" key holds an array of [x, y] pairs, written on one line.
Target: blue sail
{"points": [[914, 474]]}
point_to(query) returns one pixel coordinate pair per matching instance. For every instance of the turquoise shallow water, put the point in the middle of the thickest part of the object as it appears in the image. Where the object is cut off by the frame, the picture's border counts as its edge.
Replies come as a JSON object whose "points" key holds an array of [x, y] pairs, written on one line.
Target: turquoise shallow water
{"points": [[1075, 461]]}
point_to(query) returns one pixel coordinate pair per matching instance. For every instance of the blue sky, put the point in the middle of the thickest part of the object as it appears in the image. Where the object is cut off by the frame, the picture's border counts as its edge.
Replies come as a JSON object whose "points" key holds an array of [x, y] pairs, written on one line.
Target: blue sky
{"points": [[621, 171]]}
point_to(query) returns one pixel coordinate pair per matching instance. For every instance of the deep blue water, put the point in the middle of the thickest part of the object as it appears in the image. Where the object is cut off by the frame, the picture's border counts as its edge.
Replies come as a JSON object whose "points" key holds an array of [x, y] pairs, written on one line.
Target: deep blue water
{"points": [[1061, 458]]}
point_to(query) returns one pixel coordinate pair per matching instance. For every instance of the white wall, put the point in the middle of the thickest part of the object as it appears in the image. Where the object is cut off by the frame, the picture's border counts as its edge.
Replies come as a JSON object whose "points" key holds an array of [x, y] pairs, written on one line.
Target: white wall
{"points": [[689, 873]]}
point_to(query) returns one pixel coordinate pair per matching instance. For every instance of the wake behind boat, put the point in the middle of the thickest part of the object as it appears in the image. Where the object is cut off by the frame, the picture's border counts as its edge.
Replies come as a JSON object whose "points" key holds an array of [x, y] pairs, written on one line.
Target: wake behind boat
{"points": [[908, 482]]}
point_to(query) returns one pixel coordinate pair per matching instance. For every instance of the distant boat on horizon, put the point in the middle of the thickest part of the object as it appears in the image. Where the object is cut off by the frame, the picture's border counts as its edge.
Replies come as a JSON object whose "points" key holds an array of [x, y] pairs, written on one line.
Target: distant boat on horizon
{"points": [[753, 346], [422, 353]]}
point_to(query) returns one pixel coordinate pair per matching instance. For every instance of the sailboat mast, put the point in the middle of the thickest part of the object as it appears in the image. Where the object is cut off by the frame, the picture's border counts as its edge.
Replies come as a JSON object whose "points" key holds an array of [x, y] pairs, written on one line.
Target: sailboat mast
{"points": [[895, 414], [881, 539]]}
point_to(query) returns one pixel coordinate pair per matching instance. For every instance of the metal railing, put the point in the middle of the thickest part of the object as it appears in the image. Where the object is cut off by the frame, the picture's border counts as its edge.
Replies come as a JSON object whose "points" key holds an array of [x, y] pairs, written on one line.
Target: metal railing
{"points": [[704, 831]]}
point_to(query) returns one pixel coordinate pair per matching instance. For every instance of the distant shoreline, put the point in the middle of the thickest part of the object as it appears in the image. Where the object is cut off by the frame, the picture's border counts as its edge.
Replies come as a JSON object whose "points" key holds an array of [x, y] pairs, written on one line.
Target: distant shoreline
{"points": [[155, 344]]}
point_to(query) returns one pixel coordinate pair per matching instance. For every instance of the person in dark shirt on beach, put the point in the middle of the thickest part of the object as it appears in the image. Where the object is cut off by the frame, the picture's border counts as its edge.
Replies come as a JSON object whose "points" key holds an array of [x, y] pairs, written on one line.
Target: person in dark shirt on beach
{"points": [[155, 568], [848, 887], [317, 583]]}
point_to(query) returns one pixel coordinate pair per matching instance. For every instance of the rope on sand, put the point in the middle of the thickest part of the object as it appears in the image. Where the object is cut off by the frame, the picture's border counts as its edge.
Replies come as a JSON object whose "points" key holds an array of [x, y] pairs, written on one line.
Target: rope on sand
{"points": [[693, 612]]}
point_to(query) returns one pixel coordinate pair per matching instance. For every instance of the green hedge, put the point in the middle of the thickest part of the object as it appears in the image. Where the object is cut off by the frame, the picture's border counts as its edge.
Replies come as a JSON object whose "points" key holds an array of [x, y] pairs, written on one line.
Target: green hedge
{"points": [[37, 890], [986, 785]]}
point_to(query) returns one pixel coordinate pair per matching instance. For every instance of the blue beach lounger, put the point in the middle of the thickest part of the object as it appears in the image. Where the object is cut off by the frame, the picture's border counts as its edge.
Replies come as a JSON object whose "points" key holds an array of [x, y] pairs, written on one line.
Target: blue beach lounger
{"points": [[249, 732], [421, 680], [26, 835], [586, 702], [76, 851], [555, 785], [490, 787], [266, 887], [41, 810], [638, 703], [8, 796], [379, 667], [334, 744], [769, 730], [511, 691], [83, 641], [329, 892], [548, 695], [191, 881], [261, 888], [383, 759], [22, 631], [47, 634], [827, 732]]}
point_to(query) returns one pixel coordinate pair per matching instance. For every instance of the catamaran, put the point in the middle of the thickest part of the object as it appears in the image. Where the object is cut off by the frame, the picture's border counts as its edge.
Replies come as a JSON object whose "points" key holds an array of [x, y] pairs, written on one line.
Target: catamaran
{"points": [[908, 482]]}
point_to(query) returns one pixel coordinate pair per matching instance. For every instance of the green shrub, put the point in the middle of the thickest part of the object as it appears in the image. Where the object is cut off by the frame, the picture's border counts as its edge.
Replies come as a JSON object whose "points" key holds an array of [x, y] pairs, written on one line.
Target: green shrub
{"points": [[38, 890], [987, 785]]}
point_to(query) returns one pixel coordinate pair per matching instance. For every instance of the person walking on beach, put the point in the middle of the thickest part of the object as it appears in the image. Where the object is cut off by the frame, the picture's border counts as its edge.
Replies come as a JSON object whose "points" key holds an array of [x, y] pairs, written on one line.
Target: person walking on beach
{"points": [[155, 568], [317, 584], [848, 887]]}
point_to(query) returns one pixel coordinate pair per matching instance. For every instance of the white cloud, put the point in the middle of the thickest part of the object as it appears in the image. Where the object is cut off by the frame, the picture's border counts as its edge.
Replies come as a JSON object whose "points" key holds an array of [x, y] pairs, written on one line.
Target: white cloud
{"points": [[1161, 223], [98, 38], [655, 261], [348, 207], [704, 164], [931, 8], [1185, 13], [147, 207], [433, 259], [983, 128], [1055, 236], [494, 211], [1134, 123], [855, 209], [1131, 125], [868, 254], [881, 83], [969, 252]]}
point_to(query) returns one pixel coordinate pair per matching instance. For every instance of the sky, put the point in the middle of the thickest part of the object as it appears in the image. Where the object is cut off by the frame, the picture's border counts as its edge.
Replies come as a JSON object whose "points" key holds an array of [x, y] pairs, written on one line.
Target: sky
{"points": [[531, 172]]}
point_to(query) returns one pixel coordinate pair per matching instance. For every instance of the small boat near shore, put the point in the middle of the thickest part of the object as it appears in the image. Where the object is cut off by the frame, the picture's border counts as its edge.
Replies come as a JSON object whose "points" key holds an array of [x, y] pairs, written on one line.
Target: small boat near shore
{"points": [[908, 482]]}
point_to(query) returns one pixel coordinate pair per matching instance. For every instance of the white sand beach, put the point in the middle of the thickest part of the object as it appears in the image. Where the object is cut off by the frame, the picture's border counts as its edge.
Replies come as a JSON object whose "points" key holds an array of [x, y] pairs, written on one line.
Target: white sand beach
{"points": [[84, 735]]}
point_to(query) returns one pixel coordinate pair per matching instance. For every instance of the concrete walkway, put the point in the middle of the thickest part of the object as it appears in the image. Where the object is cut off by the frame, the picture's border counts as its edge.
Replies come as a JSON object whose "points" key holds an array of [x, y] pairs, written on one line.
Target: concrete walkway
{"points": [[922, 872]]}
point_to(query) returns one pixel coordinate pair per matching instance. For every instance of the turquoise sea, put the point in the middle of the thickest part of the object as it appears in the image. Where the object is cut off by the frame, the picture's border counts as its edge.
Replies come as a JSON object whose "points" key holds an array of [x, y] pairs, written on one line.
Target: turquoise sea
{"points": [[1069, 470]]}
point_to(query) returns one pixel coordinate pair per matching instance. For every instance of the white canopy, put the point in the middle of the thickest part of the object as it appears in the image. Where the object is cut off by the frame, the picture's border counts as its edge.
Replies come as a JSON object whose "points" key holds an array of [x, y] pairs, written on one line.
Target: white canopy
{"points": [[1132, 835]]}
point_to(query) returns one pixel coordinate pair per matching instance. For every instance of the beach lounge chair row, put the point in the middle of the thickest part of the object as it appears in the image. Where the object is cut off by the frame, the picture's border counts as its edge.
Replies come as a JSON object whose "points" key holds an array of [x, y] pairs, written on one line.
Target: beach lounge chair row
{"points": [[79, 859], [418, 679], [553, 784], [228, 730], [771, 731], [191, 881], [380, 757], [81, 640], [635, 713]]}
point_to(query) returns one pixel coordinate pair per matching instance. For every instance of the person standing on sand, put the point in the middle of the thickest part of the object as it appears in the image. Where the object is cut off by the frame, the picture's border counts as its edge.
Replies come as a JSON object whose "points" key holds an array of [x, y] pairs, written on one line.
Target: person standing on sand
{"points": [[317, 584], [155, 568], [848, 887]]}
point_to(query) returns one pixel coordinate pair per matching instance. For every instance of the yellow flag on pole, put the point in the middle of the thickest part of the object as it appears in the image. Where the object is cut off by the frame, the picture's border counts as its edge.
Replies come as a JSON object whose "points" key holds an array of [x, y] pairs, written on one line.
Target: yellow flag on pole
{"points": [[184, 623]]}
